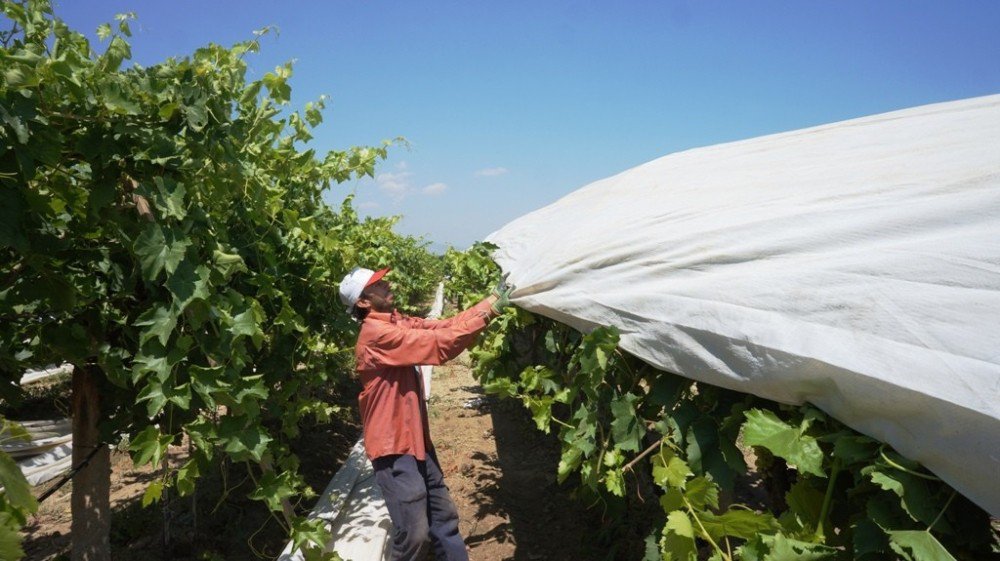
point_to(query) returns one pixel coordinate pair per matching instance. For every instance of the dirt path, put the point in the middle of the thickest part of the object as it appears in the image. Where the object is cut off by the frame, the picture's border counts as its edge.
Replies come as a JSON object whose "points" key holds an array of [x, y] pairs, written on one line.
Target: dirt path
{"points": [[501, 473]]}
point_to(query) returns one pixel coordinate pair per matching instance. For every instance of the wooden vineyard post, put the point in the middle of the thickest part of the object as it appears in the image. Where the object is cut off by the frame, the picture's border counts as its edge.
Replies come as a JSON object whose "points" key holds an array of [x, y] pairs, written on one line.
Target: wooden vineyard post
{"points": [[91, 503]]}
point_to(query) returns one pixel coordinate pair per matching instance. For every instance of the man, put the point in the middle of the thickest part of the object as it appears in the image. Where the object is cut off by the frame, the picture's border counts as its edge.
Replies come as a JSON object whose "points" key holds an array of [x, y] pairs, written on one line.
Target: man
{"points": [[394, 412]]}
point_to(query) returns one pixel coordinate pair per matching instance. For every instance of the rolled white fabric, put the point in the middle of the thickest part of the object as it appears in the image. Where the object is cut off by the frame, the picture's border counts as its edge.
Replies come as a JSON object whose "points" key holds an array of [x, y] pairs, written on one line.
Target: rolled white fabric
{"points": [[855, 266]]}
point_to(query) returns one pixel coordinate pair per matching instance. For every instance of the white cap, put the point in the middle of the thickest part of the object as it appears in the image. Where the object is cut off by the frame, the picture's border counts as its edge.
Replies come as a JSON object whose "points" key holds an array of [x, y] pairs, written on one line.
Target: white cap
{"points": [[356, 282]]}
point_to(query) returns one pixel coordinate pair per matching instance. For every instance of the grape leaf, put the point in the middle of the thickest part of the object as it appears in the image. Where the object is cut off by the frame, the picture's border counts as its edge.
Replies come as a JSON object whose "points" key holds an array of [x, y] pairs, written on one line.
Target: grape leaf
{"points": [[626, 428], [764, 428], [917, 545]]}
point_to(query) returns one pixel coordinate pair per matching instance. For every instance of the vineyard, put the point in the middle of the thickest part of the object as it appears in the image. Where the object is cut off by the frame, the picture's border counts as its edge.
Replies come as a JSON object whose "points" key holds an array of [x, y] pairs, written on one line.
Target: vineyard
{"points": [[163, 230]]}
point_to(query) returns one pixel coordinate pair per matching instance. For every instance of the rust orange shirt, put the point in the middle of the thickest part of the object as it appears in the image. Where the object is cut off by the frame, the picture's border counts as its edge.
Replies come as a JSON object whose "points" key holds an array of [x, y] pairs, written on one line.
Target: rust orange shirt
{"points": [[390, 347]]}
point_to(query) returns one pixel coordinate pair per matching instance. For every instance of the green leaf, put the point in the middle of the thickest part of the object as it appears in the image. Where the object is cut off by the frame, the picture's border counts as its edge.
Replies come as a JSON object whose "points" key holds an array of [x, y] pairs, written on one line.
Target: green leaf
{"points": [[167, 110], [679, 523], [197, 116], [44, 148], [569, 461], [243, 440], [149, 447], [670, 470], [246, 394], [118, 51], [123, 26], [787, 549], [916, 496], [159, 249], [16, 122], [228, 263], [918, 545], [869, 541], [153, 493], [187, 283], [614, 481], [672, 499], [160, 323], [10, 540], [156, 359], [626, 428], [541, 412], [206, 381], [595, 349], [15, 77], [288, 319], [250, 93], [651, 550], [675, 544], [16, 489], [202, 433], [313, 115], [274, 488], [153, 393], [276, 83], [103, 31], [804, 504], [310, 531], [667, 389], [738, 523], [186, 477], [707, 449], [852, 449], [701, 492], [502, 387], [884, 510], [247, 323], [764, 428], [116, 99], [179, 395], [169, 197]]}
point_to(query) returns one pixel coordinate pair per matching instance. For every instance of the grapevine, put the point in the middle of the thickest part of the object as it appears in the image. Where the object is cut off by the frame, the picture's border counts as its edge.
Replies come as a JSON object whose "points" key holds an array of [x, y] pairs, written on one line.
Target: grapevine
{"points": [[835, 493], [163, 229]]}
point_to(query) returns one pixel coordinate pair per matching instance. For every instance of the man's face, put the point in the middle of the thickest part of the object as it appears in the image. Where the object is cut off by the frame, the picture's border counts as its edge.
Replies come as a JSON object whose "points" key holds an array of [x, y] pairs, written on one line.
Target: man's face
{"points": [[378, 296]]}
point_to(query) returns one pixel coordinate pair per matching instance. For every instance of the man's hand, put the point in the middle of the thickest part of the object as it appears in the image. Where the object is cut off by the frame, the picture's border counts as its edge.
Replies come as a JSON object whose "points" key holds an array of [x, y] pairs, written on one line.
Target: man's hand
{"points": [[502, 292], [501, 285]]}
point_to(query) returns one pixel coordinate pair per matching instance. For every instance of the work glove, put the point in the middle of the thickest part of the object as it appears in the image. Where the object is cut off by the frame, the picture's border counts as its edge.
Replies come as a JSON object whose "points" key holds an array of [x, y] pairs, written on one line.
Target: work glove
{"points": [[502, 291], [501, 285]]}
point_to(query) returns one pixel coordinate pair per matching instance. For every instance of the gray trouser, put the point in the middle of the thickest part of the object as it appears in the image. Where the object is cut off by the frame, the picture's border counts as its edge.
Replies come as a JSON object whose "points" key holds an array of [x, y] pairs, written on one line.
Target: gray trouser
{"points": [[420, 508]]}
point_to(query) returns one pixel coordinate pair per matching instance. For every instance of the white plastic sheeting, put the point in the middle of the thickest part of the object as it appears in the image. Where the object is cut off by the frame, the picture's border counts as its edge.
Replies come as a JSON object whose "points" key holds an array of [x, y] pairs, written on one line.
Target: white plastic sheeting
{"points": [[42, 374], [49, 452], [435, 313], [356, 512], [48, 465], [45, 435], [855, 266]]}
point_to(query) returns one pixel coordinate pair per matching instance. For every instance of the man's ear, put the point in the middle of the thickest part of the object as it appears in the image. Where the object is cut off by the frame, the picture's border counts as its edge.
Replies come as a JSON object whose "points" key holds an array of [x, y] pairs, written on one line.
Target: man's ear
{"points": [[363, 304]]}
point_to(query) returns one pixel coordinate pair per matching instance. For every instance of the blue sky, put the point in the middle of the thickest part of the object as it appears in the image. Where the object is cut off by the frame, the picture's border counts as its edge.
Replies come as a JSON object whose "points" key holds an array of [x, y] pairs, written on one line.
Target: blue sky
{"points": [[508, 106]]}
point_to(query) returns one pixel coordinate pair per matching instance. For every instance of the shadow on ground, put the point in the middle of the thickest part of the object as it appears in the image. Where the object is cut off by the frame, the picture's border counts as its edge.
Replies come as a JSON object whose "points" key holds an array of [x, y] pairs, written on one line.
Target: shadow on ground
{"points": [[546, 522]]}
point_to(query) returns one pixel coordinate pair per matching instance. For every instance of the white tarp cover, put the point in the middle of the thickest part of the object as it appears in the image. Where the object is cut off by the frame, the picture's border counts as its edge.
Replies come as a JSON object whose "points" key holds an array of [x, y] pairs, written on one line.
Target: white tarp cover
{"points": [[48, 465], [52, 371], [45, 435], [426, 370], [357, 517], [855, 266]]}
